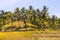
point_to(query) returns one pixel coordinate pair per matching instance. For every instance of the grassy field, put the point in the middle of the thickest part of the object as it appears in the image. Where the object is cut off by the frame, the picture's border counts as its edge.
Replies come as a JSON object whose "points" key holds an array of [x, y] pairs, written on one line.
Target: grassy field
{"points": [[30, 35]]}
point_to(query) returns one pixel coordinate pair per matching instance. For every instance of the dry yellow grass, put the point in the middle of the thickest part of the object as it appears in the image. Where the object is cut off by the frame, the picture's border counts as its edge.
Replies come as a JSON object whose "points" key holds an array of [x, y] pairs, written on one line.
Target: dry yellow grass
{"points": [[21, 24], [13, 35], [14, 24], [28, 35], [32, 35]]}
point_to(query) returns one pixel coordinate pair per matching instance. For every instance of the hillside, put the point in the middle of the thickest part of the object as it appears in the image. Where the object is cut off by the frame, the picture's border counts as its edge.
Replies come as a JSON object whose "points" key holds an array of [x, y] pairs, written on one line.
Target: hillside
{"points": [[12, 26]]}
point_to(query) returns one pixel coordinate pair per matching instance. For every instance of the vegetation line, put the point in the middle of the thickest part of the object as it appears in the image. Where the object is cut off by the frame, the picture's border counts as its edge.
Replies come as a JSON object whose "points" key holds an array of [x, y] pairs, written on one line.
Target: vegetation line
{"points": [[28, 20]]}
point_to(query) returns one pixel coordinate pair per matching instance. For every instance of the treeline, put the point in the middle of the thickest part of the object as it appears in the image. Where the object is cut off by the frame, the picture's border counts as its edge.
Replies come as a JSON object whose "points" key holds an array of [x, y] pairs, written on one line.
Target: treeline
{"points": [[37, 17]]}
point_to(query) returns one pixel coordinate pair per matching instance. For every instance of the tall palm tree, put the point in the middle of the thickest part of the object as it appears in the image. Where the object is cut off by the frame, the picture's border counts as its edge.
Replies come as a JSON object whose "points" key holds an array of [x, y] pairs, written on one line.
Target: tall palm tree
{"points": [[11, 19], [8, 16], [31, 13], [17, 11], [45, 17], [39, 13], [54, 22], [39, 17], [3, 17], [34, 17], [45, 13], [24, 12]]}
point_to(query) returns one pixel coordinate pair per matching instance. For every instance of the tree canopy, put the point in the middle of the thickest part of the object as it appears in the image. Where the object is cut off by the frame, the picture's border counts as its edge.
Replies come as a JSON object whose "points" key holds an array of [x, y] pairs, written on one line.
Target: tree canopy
{"points": [[39, 18]]}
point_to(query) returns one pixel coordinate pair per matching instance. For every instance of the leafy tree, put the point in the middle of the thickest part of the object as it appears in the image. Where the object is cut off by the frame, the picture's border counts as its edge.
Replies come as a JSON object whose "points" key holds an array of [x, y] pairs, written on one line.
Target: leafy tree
{"points": [[45, 18], [24, 17], [54, 23], [31, 13], [3, 17], [17, 11]]}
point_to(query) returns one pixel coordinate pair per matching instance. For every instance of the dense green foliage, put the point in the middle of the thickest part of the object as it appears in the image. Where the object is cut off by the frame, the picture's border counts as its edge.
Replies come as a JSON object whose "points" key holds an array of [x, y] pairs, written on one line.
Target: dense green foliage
{"points": [[39, 18]]}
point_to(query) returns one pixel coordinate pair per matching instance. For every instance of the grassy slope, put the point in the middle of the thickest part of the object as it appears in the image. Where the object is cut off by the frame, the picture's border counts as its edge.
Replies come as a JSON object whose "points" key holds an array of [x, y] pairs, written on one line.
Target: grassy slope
{"points": [[21, 23], [34, 35]]}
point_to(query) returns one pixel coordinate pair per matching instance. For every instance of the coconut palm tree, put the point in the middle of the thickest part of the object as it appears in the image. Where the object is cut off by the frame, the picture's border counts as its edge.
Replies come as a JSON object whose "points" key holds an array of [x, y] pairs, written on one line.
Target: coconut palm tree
{"points": [[39, 18], [38, 13], [54, 23], [45, 17], [31, 13], [3, 17], [24, 13], [34, 17], [8, 16], [17, 11]]}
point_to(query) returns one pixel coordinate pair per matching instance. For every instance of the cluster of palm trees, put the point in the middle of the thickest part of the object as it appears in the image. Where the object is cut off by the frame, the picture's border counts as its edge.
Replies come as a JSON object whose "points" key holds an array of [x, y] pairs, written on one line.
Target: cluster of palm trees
{"points": [[37, 17]]}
